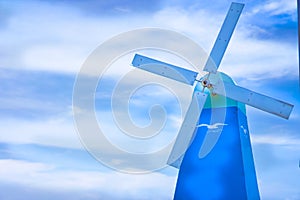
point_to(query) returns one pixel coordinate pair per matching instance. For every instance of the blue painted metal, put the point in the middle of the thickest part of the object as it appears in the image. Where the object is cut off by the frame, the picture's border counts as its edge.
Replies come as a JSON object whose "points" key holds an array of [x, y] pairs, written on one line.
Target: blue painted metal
{"points": [[227, 171], [164, 69], [254, 99], [223, 38]]}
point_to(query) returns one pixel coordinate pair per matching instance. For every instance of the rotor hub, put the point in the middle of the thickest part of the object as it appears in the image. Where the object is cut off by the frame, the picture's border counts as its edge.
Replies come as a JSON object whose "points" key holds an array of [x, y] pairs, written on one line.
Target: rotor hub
{"points": [[206, 83]]}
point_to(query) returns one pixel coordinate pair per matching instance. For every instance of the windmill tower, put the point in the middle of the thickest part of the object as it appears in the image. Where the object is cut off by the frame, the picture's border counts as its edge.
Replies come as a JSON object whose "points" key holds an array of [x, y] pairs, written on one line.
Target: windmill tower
{"points": [[217, 162]]}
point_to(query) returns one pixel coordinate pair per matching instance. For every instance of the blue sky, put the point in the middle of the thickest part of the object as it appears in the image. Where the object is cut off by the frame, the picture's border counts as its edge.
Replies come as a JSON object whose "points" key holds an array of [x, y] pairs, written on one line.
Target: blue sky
{"points": [[44, 44]]}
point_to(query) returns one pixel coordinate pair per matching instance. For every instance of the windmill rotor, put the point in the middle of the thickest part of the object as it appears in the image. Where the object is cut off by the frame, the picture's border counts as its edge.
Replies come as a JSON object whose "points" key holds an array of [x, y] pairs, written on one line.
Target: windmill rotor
{"points": [[214, 83]]}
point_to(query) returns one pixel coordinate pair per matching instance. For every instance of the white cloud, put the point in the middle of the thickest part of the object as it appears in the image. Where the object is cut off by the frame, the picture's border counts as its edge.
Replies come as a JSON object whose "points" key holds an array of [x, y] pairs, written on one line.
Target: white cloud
{"points": [[50, 132], [277, 167], [256, 59], [55, 57], [117, 185], [68, 38], [35, 38], [277, 7], [275, 140]]}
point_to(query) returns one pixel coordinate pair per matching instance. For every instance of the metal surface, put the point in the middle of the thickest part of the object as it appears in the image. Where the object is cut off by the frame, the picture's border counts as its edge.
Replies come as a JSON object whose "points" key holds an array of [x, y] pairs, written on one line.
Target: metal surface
{"points": [[223, 38], [187, 129], [164, 69], [213, 132], [254, 99], [228, 171]]}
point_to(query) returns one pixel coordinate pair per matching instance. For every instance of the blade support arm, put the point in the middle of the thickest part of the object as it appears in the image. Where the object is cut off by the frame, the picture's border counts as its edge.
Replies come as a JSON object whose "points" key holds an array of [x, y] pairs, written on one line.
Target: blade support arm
{"points": [[164, 69], [254, 99], [187, 129], [222, 41]]}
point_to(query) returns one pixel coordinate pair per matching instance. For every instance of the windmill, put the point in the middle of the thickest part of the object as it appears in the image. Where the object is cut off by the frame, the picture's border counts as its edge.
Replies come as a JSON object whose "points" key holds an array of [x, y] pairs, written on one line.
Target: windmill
{"points": [[217, 162]]}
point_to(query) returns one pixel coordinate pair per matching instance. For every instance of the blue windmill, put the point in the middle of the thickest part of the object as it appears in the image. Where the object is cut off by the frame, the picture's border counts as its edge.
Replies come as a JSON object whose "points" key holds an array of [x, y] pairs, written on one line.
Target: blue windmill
{"points": [[217, 162]]}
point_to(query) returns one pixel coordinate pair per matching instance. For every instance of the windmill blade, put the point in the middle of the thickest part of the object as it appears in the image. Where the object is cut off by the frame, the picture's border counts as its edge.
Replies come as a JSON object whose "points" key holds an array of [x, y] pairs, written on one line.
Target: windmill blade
{"points": [[223, 38], [254, 99], [187, 129], [164, 69]]}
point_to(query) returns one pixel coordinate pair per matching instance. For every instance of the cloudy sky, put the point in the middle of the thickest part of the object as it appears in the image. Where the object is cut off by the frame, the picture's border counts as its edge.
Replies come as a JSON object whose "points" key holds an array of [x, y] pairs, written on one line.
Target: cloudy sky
{"points": [[45, 43]]}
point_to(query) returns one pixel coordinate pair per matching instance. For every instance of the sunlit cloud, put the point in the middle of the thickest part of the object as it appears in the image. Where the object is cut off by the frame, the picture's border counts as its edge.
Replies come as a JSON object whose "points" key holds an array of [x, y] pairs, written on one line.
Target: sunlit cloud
{"points": [[69, 47], [44, 176], [57, 132], [277, 7], [275, 140]]}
